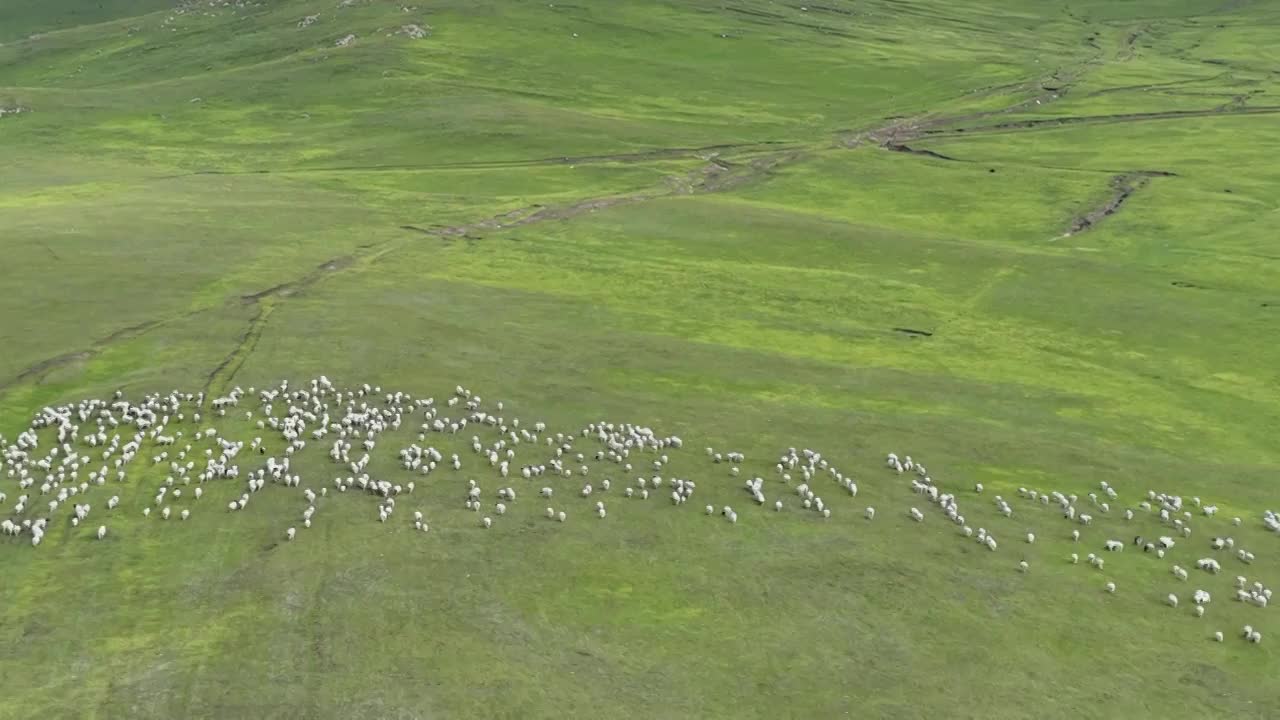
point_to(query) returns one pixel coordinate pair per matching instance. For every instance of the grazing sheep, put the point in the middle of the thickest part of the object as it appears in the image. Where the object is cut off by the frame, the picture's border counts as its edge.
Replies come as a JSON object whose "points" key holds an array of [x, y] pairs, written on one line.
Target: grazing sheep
{"points": [[1031, 538], [102, 531], [870, 513], [1023, 566], [1172, 600], [1075, 536], [1110, 587], [1209, 565], [561, 516], [1114, 546], [1217, 636], [487, 523], [1075, 559], [551, 513], [290, 533]]}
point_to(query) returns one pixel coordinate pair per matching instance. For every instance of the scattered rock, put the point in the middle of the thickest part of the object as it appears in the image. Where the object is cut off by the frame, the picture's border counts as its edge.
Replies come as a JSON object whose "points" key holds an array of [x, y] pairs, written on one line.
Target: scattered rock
{"points": [[13, 110], [414, 32], [344, 42], [308, 21]]}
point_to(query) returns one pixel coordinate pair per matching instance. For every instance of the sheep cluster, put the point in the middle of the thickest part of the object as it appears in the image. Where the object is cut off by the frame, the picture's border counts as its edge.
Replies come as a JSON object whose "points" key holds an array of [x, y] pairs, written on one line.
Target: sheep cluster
{"points": [[69, 451]]}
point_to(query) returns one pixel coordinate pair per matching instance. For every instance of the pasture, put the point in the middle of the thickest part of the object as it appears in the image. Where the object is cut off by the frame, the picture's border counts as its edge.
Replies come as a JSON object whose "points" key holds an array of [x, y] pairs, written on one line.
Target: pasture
{"points": [[1030, 244]]}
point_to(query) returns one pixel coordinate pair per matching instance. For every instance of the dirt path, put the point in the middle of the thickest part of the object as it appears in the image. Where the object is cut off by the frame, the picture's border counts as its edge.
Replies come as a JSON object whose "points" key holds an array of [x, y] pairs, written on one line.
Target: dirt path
{"points": [[715, 174], [642, 156], [1050, 123]]}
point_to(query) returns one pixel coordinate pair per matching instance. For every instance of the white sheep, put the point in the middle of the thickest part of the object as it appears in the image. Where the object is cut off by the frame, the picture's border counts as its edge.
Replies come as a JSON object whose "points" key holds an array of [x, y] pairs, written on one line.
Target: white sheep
{"points": [[487, 523], [1110, 587], [290, 533], [102, 531], [1172, 600]]}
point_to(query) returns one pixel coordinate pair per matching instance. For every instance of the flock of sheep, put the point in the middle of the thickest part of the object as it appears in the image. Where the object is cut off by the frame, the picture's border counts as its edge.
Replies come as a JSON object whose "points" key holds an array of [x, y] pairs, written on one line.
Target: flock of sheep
{"points": [[68, 454]]}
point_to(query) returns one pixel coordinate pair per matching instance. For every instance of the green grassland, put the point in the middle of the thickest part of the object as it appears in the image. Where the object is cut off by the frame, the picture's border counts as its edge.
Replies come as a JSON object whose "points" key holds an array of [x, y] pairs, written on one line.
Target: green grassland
{"points": [[689, 215]]}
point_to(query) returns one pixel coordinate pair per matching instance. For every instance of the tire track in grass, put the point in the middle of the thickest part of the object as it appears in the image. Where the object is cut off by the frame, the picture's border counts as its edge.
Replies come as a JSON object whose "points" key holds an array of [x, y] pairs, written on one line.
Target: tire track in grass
{"points": [[37, 371]]}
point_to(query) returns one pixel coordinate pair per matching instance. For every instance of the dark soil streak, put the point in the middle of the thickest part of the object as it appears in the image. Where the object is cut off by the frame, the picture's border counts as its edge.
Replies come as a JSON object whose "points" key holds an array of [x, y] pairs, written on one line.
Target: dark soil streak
{"points": [[1124, 186], [898, 147], [302, 283]]}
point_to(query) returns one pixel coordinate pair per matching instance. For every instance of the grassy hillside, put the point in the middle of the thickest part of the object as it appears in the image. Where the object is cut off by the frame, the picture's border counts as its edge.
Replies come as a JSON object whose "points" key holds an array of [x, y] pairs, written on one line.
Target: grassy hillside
{"points": [[1029, 243]]}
